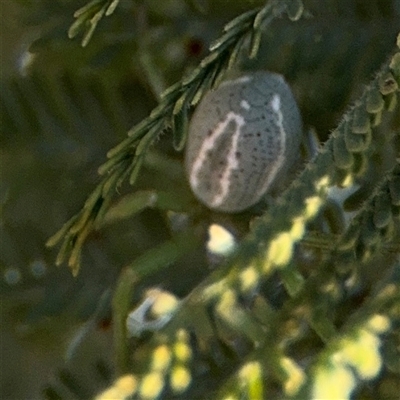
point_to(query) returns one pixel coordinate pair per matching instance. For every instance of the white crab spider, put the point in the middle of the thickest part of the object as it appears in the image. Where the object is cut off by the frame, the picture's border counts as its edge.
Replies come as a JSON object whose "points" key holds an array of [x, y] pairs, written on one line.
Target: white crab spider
{"points": [[243, 139]]}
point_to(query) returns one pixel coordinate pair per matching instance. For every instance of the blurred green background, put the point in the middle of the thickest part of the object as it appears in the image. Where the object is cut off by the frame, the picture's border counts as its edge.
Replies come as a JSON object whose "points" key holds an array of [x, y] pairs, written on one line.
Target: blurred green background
{"points": [[63, 106]]}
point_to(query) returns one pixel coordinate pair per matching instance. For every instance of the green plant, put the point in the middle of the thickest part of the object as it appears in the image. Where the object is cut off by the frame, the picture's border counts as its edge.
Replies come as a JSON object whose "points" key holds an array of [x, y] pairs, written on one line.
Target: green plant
{"points": [[295, 307]]}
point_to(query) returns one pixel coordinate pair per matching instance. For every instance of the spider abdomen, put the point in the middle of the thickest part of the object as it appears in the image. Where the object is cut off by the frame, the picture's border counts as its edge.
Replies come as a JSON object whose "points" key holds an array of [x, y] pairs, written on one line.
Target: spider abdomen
{"points": [[243, 137]]}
